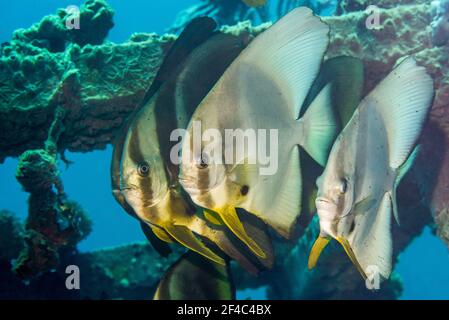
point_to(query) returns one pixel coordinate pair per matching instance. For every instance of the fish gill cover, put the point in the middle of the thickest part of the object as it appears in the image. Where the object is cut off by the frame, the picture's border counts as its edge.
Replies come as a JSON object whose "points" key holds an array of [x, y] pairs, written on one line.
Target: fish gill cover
{"points": [[72, 90]]}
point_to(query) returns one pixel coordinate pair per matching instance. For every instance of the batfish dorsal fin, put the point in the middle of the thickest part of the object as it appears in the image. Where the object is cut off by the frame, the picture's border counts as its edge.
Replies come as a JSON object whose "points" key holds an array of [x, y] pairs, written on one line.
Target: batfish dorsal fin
{"points": [[205, 66], [403, 99], [195, 33], [290, 53]]}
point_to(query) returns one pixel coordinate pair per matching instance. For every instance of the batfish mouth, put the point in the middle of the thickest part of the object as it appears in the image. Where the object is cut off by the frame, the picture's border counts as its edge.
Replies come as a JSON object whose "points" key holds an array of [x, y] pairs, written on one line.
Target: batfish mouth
{"points": [[189, 185], [137, 200], [325, 208], [324, 204], [124, 187]]}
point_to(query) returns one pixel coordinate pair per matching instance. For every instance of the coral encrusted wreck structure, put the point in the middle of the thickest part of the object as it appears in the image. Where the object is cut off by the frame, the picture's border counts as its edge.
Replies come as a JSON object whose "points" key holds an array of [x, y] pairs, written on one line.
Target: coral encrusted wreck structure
{"points": [[66, 89]]}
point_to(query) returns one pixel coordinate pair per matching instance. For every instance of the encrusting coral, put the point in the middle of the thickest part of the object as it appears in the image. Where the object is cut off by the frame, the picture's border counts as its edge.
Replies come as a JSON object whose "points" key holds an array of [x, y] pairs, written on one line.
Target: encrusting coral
{"points": [[53, 221], [96, 86], [440, 23], [95, 21]]}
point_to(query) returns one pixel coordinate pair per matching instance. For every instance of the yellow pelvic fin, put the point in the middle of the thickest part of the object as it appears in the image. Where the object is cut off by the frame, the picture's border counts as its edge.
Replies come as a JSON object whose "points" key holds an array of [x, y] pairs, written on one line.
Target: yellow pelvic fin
{"points": [[315, 252], [161, 234], [186, 237], [231, 219], [351, 255], [212, 217]]}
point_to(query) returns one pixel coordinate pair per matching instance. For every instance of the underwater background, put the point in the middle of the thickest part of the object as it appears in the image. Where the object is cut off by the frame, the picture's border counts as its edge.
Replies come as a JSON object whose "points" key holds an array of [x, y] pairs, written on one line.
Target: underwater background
{"points": [[423, 266]]}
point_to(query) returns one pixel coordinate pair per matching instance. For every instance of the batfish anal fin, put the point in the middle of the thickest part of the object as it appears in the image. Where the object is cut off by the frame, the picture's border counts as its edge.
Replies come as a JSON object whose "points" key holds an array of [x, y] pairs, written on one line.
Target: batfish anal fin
{"points": [[371, 239], [282, 211]]}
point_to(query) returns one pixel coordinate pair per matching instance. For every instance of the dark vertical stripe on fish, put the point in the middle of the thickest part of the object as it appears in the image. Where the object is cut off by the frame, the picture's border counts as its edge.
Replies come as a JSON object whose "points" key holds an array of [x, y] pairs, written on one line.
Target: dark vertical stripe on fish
{"points": [[166, 122], [136, 155]]}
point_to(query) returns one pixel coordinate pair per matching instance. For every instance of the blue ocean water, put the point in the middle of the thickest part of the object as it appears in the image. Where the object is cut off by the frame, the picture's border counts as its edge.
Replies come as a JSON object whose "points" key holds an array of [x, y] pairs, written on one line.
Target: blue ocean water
{"points": [[423, 266]]}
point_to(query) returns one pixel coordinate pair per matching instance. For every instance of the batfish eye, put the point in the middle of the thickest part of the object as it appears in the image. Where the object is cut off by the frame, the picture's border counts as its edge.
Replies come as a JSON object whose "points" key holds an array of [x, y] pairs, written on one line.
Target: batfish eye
{"points": [[143, 169], [343, 186], [203, 161]]}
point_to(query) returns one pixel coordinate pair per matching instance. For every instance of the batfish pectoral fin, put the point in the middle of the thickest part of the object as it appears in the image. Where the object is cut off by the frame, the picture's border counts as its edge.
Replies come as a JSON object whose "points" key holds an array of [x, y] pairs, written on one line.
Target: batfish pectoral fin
{"points": [[363, 205], [345, 244], [212, 217], [315, 252], [188, 239], [232, 221]]}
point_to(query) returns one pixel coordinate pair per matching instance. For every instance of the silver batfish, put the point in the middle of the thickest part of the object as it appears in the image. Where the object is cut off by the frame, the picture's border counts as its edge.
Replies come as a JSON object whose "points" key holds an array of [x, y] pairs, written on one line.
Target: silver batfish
{"points": [[357, 191]]}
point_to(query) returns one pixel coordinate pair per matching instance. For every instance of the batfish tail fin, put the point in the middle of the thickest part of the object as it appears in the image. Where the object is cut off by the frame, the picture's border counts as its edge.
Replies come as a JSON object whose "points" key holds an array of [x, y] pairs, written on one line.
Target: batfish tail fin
{"points": [[320, 126]]}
